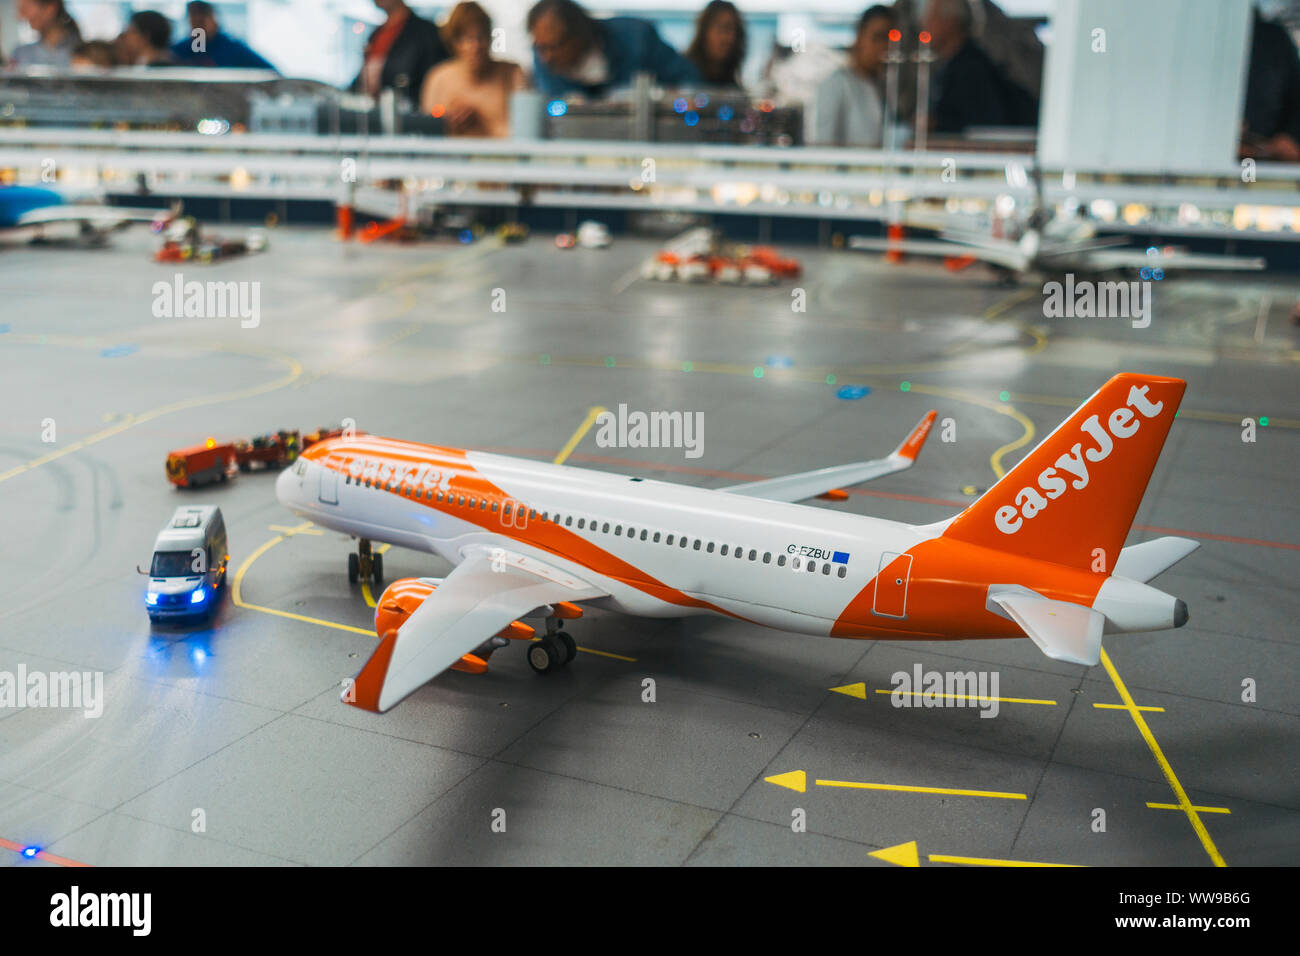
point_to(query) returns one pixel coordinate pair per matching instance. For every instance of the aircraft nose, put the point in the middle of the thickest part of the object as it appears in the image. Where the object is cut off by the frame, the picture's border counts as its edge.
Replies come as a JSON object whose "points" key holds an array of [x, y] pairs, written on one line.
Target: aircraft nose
{"points": [[285, 485]]}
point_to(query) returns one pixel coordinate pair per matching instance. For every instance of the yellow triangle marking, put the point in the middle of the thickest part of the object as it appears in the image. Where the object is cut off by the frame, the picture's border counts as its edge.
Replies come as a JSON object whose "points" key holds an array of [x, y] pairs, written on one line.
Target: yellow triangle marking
{"points": [[902, 855], [795, 780], [852, 690]]}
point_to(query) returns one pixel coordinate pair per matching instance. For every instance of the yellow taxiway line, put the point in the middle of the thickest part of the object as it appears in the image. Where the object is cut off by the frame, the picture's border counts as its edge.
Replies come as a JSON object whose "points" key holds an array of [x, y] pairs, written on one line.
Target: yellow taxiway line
{"points": [[1184, 803], [295, 371], [1004, 700], [592, 414]]}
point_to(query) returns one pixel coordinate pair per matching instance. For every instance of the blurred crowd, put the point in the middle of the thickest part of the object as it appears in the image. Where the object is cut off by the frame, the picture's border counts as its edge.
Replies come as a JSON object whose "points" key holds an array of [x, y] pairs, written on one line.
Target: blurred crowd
{"points": [[984, 68]]}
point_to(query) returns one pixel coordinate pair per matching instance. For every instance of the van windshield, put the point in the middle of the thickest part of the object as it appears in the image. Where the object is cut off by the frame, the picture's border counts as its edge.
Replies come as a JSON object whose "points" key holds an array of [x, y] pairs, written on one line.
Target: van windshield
{"points": [[174, 564]]}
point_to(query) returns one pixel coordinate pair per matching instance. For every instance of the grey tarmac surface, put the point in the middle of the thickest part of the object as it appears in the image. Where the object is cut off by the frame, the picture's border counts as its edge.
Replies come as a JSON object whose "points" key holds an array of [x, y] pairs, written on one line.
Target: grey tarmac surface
{"points": [[237, 724]]}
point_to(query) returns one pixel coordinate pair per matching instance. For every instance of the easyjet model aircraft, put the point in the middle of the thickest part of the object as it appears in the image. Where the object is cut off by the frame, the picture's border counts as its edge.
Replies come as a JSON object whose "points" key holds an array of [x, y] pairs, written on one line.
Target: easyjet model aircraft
{"points": [[1038, 555]]}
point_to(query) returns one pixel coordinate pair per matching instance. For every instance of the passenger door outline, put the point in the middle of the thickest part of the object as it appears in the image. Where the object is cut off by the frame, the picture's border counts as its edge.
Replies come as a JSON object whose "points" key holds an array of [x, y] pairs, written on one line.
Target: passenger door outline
{"points": [[892, 579]]}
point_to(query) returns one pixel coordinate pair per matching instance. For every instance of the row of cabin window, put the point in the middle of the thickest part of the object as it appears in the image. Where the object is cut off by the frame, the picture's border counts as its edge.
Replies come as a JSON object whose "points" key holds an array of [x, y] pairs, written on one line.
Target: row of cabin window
{"points": [[682, 540]]}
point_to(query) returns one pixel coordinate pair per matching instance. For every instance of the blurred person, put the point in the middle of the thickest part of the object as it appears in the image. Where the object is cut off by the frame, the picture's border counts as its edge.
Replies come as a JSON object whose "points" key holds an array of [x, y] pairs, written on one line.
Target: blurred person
{"points": [[575, 53], [218, 49], [146, 41], [400, 53], [968, 88], [720, 45], [94, 55], [57, 31], [471, 90], [1012, 44], [850, 104], [1270, 127]]}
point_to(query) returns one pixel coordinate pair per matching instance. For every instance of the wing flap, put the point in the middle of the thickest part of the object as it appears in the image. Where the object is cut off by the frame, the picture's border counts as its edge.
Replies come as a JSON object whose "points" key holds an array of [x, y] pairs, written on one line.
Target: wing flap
{"points": [[483, 595], [1063, 631], [823, 481]]}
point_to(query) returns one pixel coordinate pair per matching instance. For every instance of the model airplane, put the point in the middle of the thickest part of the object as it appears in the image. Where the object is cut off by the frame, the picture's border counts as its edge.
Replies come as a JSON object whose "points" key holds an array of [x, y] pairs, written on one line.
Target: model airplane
{"points": [[1050, 243], [1039, 555], [1038, 252], [30, 211]]}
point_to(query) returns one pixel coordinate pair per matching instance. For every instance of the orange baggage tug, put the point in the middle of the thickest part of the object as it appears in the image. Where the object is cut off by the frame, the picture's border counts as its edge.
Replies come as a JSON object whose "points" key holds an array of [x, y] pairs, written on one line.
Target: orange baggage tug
{"points": [[201, 464]]}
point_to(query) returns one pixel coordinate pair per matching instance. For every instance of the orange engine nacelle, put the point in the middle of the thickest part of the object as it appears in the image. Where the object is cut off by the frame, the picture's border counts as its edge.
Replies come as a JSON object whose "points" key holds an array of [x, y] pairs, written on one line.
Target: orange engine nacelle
{"points": [[401, 598]]}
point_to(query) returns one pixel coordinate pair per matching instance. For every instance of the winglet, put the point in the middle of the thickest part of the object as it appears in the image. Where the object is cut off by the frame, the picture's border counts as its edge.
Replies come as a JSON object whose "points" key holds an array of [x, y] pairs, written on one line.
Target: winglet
{"points": [[911, 446]]}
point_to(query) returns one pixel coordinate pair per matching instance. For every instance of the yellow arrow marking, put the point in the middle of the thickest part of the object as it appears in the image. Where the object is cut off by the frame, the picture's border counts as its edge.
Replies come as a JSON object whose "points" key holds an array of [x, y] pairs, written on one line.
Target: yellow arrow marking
{"points": [[902, 855], [795, 780], [852, 690], [906, 854]]}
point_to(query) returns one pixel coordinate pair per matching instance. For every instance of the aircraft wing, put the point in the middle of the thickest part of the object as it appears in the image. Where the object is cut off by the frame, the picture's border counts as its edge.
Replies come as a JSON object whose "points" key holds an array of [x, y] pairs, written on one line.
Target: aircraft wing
{"points": [[91, 215], [995, 252], [1063, 631], [482, 595], [1101, 259], [810, 484]]}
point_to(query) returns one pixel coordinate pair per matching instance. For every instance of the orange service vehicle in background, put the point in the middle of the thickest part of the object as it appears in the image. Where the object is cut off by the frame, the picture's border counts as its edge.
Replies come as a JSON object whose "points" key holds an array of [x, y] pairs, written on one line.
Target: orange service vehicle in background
{"points": [[201, 464]]}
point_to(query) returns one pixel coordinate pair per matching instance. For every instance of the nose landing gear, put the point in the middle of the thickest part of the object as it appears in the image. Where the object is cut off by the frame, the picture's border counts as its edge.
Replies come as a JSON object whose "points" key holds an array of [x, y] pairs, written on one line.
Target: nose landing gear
{"points": [[365, 565]]}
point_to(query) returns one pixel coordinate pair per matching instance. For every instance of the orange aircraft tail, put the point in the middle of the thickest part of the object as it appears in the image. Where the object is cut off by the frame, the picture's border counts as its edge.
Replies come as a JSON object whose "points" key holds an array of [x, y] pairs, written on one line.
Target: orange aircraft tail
{"points": [[1079, 490]]}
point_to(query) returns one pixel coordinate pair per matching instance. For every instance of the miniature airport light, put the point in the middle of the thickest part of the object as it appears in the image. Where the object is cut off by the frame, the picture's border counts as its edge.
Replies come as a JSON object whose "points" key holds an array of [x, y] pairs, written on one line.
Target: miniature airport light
{"points": [[904, 386], [30, 852], [895, 36], [210, 443], [725, 113], [557, 107], [924, 36]]}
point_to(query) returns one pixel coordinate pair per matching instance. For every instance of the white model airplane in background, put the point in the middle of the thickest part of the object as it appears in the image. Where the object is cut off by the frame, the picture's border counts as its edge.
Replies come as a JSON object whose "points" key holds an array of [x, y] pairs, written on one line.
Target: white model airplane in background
{"points": [[38, 212], [1048, 241], [531, 539]]}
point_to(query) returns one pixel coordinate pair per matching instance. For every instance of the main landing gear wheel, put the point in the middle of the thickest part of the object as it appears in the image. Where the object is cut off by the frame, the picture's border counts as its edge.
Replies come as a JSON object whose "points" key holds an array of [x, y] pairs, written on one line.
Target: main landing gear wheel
{"points": [[377, 569], [354, 569], [545, 655], [569, 644]]}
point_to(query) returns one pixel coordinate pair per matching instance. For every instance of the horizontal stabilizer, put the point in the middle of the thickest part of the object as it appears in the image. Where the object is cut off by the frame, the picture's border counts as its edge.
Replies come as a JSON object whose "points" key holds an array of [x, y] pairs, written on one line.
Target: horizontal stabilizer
{"points": [[1063, 631], [1142, 562], [811, 484]]}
